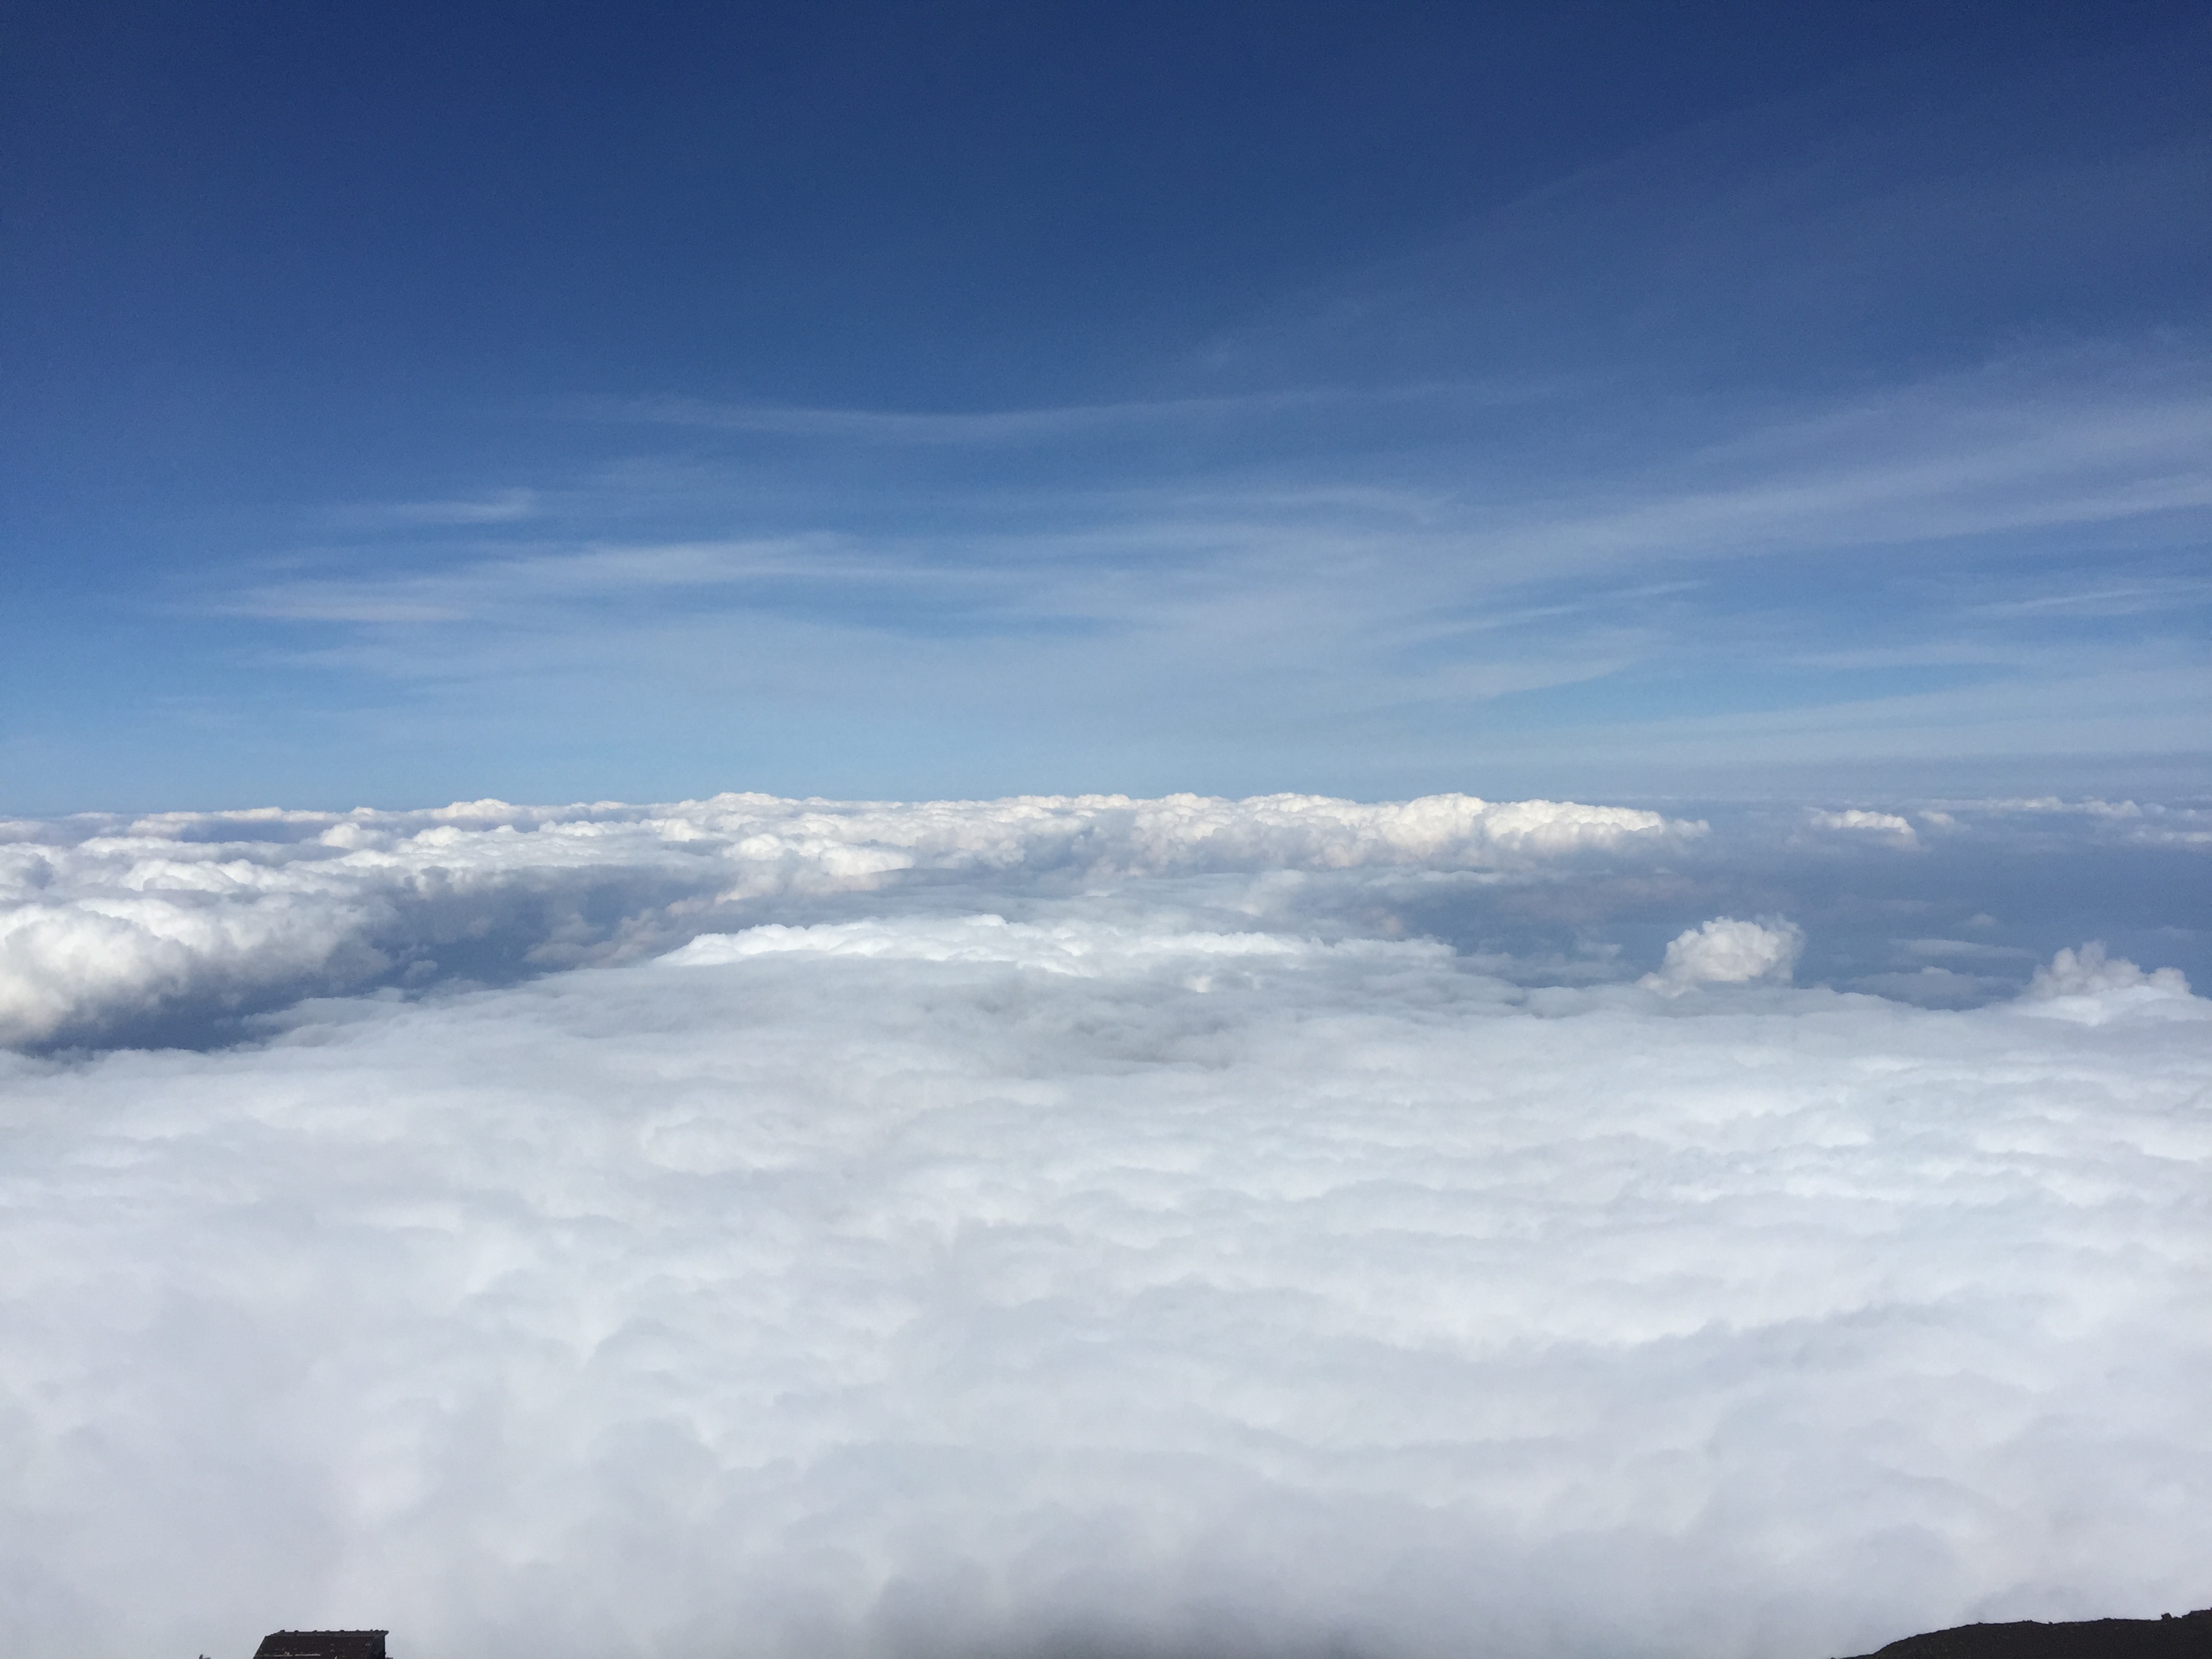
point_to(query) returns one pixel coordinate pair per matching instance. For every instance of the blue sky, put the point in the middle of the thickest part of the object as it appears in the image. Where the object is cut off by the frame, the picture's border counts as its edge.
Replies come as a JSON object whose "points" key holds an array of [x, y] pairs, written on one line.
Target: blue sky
{"points": [[412, 403]]}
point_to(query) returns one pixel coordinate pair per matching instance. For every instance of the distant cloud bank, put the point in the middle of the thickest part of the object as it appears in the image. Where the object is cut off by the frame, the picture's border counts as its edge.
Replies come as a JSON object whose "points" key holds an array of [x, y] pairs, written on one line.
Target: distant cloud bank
{"points": [[137, 930], [104, 922]]}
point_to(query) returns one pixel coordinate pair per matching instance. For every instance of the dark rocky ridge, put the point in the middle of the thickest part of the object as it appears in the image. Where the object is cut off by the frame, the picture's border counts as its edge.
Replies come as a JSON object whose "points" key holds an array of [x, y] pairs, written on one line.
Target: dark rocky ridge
{"points": [[2188, 1637]]}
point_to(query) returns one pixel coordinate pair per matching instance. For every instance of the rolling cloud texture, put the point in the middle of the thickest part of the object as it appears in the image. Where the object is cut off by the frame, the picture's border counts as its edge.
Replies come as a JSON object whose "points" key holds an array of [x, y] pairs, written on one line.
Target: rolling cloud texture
{"points": [[817, 1229]]}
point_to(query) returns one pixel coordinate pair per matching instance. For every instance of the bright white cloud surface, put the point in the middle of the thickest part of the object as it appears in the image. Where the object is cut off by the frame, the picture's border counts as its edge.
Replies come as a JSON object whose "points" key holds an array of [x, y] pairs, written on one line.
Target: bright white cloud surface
{"points": [[1109, 1269], [1726, 951], [103, 920]]}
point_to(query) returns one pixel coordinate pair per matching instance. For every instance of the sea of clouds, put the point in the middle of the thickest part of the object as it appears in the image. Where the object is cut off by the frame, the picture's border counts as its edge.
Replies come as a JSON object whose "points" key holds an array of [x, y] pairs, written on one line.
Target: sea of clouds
{"points": [[1084, 1225]]}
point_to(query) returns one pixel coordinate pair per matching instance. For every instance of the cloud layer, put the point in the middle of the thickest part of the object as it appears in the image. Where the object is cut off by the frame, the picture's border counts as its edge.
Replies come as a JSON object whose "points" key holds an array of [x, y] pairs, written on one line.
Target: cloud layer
{"points": [[182, 928], [930, 1284], [828, 1230], [105, 922]]}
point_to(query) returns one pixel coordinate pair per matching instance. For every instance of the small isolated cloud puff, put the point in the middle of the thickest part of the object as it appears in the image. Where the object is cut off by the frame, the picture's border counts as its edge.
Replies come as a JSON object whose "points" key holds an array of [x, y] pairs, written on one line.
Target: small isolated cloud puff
{"points": [[1864, 822], [1726, 951]]}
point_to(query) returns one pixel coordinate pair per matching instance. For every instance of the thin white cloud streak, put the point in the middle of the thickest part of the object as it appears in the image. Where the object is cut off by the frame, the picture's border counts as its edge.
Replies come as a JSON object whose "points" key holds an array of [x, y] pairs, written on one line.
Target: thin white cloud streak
{"points": [[496, 587], [991, 429], [2088, 703], [1280, 713], [1358, 606], [924, 1286], [2041, 468], [761, 696], [988, 427], [2001, 451], [2130, 599], [496, 507]]}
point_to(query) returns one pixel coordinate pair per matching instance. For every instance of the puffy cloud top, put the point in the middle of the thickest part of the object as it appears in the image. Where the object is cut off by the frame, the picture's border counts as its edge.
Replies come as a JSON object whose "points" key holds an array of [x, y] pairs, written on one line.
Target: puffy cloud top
{"points": [[104, 920], [1726, 951], [2089, 986], [1866, 823]]}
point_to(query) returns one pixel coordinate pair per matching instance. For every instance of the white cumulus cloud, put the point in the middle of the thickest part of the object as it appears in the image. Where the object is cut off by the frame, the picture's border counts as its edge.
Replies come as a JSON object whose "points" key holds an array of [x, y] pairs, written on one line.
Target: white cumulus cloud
{"points": [[1858, 819], [2086, 984], [1726, 951], [105, 921]]}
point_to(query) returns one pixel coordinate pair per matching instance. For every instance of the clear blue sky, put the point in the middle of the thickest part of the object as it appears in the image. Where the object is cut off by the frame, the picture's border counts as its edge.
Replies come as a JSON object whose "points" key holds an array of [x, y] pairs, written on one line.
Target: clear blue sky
{"points": [[409, 402]]}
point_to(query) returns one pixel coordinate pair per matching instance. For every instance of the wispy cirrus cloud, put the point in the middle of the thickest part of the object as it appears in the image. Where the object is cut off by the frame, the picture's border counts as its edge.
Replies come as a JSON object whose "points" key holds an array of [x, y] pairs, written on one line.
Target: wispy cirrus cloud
{"points": [[983, 427], [2132, 599], [1822, 425], [506, 583], [1840, 578], [1459, 528], [492, 508]]}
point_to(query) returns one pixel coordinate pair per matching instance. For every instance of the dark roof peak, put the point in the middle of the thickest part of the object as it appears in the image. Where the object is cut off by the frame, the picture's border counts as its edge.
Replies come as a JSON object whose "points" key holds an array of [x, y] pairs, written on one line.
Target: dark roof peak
{"points": [[322, 1644]]}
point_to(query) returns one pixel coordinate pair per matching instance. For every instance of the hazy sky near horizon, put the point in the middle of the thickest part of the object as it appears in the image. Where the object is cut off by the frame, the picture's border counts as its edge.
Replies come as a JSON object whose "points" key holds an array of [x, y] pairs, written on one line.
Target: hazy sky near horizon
{"points": [[409, 404]]}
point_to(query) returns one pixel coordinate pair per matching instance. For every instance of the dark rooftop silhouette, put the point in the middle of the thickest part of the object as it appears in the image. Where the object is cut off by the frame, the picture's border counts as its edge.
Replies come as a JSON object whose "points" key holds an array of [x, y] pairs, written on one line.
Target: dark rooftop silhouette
{"points": [[2188, 1637], [322, 1644]]}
